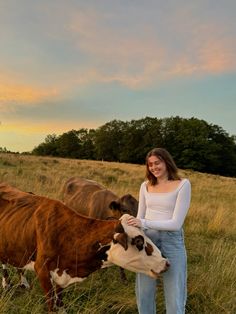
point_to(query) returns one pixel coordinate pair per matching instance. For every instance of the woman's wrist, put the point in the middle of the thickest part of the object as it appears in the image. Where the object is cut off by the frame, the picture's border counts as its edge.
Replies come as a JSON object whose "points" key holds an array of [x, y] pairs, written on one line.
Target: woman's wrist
{"points": [[143, 223]]}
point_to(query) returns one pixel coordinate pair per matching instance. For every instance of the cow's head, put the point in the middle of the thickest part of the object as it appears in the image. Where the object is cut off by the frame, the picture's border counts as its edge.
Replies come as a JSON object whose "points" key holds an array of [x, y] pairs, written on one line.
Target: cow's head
{"points": [[127, 204], [130, 203], [133, 250]]}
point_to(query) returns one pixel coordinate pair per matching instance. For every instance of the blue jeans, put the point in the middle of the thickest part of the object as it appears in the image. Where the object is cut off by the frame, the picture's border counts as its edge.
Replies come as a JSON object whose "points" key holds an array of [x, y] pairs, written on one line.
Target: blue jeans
{"points": [[171, 245]]}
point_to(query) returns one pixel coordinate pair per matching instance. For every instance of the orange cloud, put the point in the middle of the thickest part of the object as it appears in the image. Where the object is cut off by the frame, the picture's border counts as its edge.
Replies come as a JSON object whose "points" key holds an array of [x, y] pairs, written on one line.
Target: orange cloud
{"points": [[49, 127], [216, 57], [207, 48], [24, 94], [133, 81]]}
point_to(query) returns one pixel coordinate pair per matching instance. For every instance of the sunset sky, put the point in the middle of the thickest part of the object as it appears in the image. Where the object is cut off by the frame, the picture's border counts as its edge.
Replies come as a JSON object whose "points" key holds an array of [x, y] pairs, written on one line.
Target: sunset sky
{"points": [[69, 64]]}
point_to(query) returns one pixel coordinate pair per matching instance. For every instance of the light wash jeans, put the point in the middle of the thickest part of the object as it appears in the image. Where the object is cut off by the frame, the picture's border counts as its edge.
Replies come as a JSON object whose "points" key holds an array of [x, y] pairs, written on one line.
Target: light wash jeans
{"points": [[171, 245]]}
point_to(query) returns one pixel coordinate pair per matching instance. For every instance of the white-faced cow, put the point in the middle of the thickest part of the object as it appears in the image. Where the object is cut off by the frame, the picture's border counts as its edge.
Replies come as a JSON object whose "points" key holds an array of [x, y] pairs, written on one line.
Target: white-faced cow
{"points": [[64, 247], [91, 199]]}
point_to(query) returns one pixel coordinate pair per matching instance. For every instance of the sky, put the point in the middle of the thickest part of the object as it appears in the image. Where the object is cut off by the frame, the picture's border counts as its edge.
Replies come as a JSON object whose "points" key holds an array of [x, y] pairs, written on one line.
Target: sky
{"points": [[71, 64]]}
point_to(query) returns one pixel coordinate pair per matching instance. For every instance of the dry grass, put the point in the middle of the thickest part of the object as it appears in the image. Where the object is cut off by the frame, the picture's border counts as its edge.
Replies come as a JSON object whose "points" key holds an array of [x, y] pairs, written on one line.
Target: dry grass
{"points": [[210, 234]]}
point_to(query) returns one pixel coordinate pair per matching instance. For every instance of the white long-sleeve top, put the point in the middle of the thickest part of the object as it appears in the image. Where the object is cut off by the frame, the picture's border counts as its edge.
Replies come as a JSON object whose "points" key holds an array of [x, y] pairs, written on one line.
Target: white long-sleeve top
{"points": [[164, 211]]}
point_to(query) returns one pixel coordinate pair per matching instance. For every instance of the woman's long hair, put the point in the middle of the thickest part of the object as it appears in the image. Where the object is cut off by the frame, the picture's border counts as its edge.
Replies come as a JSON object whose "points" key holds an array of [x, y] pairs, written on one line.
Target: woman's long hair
{"points": [[163, 155]]}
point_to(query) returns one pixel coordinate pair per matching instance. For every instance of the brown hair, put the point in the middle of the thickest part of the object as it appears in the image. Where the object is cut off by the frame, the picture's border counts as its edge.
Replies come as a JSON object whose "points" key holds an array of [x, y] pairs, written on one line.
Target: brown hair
{"points": [[164, 155]]}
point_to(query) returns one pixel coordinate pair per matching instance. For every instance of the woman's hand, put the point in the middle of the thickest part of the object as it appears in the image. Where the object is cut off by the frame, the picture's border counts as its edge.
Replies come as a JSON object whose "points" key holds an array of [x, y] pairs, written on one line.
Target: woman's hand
{"points": [[132, 221]]}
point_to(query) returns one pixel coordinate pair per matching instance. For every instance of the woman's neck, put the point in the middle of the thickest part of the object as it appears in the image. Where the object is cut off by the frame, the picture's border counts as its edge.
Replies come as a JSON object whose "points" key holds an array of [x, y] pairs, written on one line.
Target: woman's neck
{"points": [[162, 180]]}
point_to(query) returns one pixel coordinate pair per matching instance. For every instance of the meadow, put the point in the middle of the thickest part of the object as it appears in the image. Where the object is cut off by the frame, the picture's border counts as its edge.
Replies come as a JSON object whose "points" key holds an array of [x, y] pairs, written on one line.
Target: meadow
{"points": [[210, 236]]}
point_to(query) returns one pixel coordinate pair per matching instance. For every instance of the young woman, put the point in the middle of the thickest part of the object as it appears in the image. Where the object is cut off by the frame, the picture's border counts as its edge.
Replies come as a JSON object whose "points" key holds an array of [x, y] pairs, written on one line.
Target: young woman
{"points": [[164, 200]]}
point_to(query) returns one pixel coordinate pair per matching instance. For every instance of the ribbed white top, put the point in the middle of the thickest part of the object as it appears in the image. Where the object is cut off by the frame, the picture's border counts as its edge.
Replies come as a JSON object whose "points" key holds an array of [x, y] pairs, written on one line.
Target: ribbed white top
{"points": [[164, 211]]}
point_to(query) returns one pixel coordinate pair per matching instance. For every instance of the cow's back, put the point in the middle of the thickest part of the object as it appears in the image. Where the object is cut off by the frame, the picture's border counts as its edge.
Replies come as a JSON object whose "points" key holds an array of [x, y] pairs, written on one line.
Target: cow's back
{"points": [[99, 205], [88, 198], [78, 193]]}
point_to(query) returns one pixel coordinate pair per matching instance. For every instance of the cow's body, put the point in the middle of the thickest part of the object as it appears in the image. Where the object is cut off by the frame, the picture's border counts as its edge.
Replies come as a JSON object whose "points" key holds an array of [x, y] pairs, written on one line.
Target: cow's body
{"points": [[92, 199], [64, 247]]}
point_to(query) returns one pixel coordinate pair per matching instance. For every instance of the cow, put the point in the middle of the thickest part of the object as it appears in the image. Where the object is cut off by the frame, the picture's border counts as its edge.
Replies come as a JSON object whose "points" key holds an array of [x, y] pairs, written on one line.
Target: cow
{"points": [[92, 199], [64, 247]]}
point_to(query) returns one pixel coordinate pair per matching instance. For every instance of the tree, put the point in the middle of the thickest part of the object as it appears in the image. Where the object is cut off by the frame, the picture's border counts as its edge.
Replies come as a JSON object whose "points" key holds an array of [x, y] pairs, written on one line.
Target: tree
{"points": [[87, 146], [193, 143], [3, 150], [200, 146], [68, 144], [48, 148], [109, 140], [140, 136]]}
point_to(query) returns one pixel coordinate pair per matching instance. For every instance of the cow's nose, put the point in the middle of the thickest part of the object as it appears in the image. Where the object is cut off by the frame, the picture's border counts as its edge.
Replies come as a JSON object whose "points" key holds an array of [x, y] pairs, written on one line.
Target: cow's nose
{"points": [[167, 265]]}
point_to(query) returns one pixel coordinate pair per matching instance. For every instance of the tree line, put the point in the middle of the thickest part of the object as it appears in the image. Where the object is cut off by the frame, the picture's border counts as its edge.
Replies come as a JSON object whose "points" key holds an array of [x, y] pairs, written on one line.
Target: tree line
{"points": [[194, 143]]}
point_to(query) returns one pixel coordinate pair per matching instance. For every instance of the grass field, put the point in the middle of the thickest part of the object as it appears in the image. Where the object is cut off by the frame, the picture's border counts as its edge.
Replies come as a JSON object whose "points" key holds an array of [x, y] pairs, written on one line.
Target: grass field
{"points": [[210, 237]]}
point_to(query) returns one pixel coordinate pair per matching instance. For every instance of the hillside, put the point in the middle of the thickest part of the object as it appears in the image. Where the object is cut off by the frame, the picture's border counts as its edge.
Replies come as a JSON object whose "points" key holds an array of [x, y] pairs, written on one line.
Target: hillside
{"points": [[210, 235]]}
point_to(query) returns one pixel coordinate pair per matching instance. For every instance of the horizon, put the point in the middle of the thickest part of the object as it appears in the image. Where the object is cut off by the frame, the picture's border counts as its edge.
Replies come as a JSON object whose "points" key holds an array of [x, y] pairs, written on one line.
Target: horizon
{"points": [[96, 129]]}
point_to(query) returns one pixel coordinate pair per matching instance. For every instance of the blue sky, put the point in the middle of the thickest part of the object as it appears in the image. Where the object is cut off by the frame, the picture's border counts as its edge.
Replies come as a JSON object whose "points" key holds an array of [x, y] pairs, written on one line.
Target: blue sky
{"points": [[71, 64]]}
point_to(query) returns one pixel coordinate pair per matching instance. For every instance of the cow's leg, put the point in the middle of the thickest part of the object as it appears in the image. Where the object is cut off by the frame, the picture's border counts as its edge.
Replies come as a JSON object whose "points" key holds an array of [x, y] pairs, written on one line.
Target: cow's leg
{"points": [[123, 276], [6, 284], [58, 292], [46, 284]]}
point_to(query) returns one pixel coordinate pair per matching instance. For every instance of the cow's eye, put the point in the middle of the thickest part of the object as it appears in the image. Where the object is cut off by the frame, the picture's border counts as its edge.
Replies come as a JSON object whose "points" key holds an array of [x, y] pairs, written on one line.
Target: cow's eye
{"points": [[138, 241]]}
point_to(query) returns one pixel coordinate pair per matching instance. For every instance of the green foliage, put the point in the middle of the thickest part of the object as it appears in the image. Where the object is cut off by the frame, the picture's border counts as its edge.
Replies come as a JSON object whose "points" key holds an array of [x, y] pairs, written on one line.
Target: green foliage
{"points": [[140, 137], [68, 144], [194, 143], [109, 140], [48, 148], [73, 144], [4, 150]]}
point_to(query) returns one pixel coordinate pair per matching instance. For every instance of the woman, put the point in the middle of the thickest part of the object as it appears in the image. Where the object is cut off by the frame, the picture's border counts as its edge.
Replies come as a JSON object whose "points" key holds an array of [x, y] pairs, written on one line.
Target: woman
{"points": [[164, 200]]}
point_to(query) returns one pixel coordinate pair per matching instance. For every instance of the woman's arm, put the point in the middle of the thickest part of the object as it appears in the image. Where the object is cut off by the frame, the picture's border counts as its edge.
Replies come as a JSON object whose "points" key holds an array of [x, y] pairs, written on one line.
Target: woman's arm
{"points": [[142, 201], [180, 211]]}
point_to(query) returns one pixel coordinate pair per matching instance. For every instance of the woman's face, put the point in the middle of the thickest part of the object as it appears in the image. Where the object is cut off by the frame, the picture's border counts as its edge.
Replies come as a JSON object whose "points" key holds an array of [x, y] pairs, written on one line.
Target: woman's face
{"points": [[157, 167]]}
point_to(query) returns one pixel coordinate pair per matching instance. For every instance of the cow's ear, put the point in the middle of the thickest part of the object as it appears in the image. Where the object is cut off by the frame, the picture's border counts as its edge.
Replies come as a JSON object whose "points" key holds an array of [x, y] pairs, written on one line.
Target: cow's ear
{"points": [[119, 228], [122, 239], [114, 205], [149, 249]]}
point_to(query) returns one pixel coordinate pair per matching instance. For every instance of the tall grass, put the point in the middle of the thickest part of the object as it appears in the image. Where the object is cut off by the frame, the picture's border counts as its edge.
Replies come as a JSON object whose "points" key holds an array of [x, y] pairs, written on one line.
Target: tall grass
{"points": [[210, 235]]}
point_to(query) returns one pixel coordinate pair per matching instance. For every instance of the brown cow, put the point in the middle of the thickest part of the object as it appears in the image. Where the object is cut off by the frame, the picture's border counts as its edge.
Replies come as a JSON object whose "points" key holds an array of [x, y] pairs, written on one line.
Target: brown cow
{"points": [[64, 247], [90, 198]]}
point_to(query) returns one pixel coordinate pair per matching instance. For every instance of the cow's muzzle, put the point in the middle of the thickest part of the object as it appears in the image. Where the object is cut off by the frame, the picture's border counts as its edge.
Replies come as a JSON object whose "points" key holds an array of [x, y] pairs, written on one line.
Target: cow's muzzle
{"points": [[157, 275]]}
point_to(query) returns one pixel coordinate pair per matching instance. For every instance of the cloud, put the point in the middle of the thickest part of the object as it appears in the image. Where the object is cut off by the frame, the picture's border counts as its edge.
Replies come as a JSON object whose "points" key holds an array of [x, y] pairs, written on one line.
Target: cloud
{"points": [[132, 46], [58, 126], [116, 55], [189, 45], [212, 57], [15, 94], [216, 57], [133, 81]]}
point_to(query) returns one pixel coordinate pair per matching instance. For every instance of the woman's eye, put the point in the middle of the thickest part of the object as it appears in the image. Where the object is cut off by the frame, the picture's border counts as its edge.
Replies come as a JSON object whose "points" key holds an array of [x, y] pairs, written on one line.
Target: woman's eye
{"points": [[154, 163]]}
